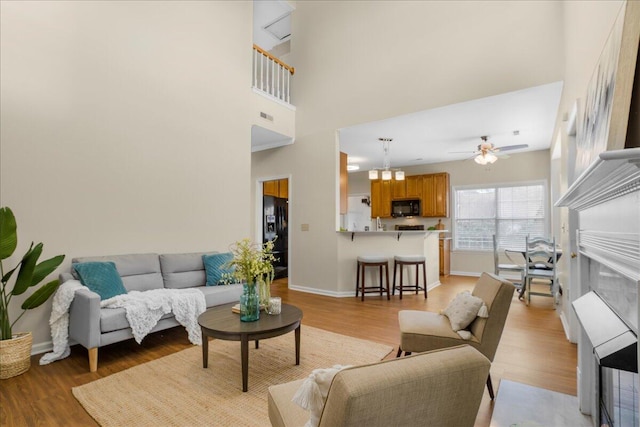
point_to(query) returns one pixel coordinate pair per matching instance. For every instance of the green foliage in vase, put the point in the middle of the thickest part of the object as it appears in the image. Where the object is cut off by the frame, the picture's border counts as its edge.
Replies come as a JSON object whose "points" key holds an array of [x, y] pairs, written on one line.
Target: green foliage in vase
{"points": [[253, 262], [29, 273]]}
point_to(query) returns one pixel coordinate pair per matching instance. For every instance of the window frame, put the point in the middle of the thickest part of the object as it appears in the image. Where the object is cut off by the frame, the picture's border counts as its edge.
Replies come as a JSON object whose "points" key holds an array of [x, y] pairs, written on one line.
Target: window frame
{"points": [[454, 195]]}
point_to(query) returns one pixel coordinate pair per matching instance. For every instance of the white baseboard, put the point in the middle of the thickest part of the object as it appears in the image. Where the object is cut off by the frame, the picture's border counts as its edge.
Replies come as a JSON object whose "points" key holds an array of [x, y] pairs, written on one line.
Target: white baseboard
{"points": [[42, 347], [335, 294], [340, 294], [465, 273], [565, 325]]}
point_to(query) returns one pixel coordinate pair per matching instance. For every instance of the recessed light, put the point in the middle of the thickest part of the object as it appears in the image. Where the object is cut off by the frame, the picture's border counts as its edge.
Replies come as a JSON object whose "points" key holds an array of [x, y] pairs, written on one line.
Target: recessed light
{"points": [[352, 168]]}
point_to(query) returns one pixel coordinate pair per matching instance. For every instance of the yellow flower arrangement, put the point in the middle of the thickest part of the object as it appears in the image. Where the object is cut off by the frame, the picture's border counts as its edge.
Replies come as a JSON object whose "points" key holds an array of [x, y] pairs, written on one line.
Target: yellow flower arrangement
{"points": [[252, 262]]}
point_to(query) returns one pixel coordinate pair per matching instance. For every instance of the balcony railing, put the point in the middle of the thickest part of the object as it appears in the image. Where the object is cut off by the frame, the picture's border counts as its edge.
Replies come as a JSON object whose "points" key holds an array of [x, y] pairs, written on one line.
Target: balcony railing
{"points": [[271, 76]]}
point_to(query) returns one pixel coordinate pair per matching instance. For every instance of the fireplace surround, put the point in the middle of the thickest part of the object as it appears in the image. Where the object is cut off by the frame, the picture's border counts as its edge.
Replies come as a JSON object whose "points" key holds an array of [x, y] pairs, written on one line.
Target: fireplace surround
{"points": [[607, 199]]}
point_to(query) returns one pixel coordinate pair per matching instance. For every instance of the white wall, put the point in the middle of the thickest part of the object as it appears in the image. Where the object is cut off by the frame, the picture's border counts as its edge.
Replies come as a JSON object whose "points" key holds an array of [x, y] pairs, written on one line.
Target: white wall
{"points": [[125, 128], [587, 26], [362, 61]]}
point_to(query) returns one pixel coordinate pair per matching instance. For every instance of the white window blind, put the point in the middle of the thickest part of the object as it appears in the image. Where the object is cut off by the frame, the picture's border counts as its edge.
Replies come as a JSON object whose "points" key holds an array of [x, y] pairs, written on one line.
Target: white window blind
{"points": [[509, 212]]}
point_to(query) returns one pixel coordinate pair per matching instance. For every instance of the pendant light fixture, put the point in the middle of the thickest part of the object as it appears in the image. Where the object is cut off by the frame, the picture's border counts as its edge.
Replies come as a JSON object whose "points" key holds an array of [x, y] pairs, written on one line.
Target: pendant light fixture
{"points": [[386, 173]]}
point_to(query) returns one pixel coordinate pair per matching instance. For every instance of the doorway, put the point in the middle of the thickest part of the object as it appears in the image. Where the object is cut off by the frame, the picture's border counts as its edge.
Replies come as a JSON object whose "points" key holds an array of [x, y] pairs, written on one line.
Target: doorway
{"points": [[274, 221]]}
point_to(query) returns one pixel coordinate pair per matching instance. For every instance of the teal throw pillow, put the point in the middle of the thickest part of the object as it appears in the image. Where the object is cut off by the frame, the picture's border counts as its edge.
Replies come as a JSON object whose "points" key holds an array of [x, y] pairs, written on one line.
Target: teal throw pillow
{"points": [[216, 265], [100, 277]]}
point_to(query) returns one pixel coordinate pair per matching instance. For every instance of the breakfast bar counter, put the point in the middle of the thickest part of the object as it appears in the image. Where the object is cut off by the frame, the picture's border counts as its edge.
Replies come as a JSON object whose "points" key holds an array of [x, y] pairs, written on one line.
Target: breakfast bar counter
{"points": [[352, 244]]}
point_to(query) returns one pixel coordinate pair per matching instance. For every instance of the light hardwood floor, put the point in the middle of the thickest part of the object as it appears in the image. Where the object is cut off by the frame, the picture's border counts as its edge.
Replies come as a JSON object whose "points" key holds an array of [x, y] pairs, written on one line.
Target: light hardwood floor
{"points": [[533, 350]]}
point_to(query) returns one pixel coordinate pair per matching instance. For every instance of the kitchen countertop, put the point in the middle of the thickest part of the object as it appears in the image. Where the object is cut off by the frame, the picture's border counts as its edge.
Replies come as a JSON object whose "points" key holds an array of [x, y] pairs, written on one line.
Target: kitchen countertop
{"points": [[396, 233]]}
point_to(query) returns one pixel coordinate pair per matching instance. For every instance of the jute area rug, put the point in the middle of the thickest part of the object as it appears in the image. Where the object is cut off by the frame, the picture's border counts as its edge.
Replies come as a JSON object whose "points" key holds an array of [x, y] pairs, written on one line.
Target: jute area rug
{"points": [[176, 391]]}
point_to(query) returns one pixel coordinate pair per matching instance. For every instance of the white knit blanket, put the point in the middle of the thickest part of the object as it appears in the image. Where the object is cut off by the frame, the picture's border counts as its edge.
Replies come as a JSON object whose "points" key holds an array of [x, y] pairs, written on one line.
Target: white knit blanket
{"points": [[144, 310], [59, 321]]}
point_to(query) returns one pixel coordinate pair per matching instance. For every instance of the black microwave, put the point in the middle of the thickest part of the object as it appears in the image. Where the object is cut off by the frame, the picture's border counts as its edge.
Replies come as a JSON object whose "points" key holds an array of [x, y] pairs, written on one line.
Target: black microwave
{"points": [[400, 208]]}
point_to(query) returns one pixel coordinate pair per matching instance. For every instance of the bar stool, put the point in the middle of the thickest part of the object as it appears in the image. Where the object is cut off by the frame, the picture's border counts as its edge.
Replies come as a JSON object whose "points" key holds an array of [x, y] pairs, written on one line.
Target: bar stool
{"points": [[372, 261], [401, 261]]}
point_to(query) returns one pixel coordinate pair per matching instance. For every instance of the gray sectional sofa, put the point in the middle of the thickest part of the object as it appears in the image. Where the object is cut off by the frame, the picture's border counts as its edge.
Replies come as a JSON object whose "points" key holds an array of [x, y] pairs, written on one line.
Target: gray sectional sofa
{"points": [[93, 327]]}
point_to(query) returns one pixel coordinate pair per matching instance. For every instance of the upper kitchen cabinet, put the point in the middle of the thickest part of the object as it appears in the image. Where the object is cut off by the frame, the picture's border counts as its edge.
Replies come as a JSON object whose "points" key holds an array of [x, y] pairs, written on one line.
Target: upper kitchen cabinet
{"points": [[435, 195], [276, 188], [413, 187], [398, 189], [409, 188], [431, 189], [380, 198]]}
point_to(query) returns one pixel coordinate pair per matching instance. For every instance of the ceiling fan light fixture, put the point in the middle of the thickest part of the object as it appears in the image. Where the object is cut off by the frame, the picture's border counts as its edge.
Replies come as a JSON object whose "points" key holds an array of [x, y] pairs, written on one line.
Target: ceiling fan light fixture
{"points": [[490, 158], [399, 175], [479, 159], [386, 175], [373, 174]]}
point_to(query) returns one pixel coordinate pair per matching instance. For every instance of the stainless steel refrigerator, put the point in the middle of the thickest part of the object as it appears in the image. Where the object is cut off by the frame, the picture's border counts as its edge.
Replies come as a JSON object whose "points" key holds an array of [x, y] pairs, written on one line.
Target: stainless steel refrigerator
{"points": [[275, 226]]}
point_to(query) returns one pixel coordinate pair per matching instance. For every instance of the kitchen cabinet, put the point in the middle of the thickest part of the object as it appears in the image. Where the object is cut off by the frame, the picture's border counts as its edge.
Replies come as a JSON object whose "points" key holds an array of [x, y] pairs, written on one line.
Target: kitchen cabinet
{"points": [[445, 260], [276, 188], [435, 195], [413, 187], [408, 188], [428, 200], [398, 189], [431, 189], [270, 188], [283, 188], [380, 198], [441, 194], [344, 180]]}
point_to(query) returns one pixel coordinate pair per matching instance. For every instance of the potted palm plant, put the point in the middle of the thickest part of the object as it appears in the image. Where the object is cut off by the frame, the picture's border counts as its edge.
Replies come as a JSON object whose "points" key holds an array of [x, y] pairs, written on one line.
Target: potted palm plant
{"points": [[15, 348]]}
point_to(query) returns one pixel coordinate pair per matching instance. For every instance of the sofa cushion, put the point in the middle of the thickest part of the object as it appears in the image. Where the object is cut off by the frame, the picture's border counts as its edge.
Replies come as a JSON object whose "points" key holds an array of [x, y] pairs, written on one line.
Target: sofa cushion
{"points": [[183, 270], [216, 266], [218, 295], [100, 277], [139, 272], [115, 319]]}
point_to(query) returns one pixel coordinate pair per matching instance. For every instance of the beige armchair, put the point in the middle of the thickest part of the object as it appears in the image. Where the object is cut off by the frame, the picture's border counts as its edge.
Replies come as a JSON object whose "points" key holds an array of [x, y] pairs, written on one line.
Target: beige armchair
{"points": [[448, 383], [424, 331]]}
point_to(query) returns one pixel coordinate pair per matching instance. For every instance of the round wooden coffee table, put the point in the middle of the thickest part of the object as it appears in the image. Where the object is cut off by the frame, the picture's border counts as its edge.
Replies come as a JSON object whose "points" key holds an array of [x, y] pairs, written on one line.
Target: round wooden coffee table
{"points": [[220, 322]]}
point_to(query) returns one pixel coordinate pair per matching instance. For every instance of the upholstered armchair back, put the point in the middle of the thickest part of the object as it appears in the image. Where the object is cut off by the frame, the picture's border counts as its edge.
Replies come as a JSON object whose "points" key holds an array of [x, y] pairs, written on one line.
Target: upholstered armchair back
{"points": [[497, 294], [441, 387]]}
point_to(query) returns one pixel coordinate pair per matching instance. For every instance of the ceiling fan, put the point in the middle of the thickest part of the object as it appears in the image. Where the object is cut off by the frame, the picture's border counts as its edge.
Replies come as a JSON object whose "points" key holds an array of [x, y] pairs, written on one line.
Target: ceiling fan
{"points": [[487, 153]]}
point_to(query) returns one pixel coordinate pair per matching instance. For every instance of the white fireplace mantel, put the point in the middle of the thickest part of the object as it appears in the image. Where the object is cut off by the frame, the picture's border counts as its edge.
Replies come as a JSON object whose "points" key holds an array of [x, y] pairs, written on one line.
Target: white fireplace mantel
{"points": [[612, 175]]}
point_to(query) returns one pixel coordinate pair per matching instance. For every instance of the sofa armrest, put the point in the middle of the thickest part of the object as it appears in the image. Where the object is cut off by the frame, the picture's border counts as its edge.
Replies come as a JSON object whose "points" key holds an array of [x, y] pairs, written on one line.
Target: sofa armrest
{"points": [[84, 318], [63, 277]]}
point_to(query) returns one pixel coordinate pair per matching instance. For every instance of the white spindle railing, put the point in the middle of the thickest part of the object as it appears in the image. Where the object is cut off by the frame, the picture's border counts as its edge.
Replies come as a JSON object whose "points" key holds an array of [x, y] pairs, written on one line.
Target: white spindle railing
{"points": [[271, 75]]}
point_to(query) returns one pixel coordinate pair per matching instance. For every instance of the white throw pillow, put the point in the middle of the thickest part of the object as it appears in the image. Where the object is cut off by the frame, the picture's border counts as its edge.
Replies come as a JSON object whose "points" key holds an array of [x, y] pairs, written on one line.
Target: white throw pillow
{"points": [[313, 392], [462, 310]]}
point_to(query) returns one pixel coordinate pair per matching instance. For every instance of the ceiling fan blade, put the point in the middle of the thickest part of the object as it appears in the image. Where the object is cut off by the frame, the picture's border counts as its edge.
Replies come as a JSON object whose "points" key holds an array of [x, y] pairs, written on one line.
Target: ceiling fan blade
{"points": [[463, 152], [511, 147]]}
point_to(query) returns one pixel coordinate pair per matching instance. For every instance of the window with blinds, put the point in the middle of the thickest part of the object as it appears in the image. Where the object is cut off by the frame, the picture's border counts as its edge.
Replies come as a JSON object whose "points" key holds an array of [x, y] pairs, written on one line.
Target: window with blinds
{"points": [[510, 212]]}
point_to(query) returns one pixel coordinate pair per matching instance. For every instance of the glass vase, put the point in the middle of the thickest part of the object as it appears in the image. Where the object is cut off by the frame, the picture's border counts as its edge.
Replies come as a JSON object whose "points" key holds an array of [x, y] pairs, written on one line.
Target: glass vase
{"points": [[264, 291], [249, 303]]}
